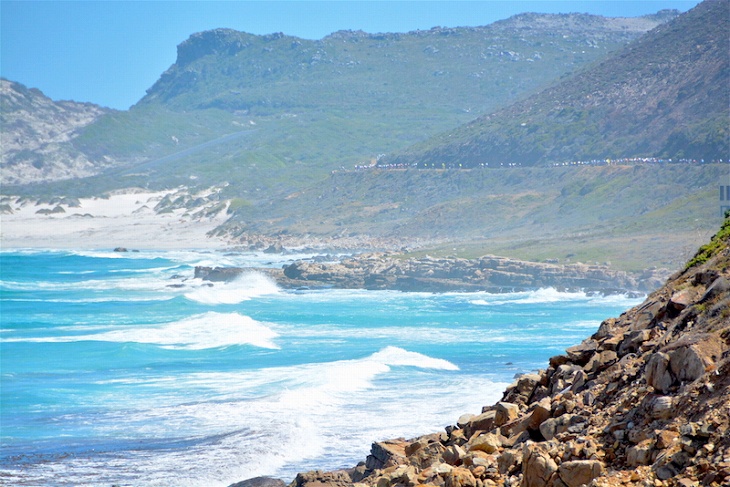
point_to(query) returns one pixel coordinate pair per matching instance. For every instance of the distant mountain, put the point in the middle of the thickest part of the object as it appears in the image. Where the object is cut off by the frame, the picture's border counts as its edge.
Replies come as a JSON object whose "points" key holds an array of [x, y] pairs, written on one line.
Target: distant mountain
{"points": [[665, 95], [268, 113], [36, 132]]}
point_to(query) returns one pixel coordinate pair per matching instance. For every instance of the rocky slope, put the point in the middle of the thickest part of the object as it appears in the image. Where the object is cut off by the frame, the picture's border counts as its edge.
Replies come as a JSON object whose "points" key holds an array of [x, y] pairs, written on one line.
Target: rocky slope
{"points": [[665, 95], [644, 401], [36, 135]]}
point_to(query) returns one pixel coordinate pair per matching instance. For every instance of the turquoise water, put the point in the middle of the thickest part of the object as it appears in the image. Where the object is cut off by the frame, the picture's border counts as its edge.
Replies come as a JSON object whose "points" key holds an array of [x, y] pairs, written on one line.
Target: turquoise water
{"points": [[120, 368]]}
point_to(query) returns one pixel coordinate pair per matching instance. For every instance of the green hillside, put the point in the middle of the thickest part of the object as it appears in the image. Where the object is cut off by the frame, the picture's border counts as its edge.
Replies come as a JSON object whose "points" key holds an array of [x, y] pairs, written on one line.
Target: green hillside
{"points": [[303, 108], [623, 214], [664, 96]]}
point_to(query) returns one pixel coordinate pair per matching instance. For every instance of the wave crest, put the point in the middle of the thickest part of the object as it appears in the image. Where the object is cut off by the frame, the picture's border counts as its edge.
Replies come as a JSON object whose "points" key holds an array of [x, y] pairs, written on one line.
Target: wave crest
{"points": [[247, 286], [199, 332]]}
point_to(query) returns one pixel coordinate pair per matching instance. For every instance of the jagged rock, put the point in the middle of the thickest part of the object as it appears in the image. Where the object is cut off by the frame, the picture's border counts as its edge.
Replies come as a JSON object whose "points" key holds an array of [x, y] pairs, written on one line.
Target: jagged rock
{"points": [[460, 477], [580, 354], [488, 443], [689, 362], [537, 466], [600, 361], [317, 478], [260, 482], [554, 426], [661, 407], [275, 248], [453, 455], [540, 414], [482, 422], [577, 473], [658, 373], [682, 299], [217, 274], [510, 460], [505, 412], [386, 454], [639, 454], [718, 287]]}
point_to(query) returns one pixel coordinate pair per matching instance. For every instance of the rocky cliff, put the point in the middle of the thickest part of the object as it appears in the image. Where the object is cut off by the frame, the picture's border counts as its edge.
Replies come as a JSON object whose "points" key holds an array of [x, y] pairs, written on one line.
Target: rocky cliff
{"points": [[36, 135], [644, 401]]}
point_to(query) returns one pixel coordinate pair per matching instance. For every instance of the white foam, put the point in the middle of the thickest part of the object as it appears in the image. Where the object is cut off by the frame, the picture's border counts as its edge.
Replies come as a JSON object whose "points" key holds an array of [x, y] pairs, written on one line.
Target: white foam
{"points": [[399, 357], [209, 330], [247, 286]]}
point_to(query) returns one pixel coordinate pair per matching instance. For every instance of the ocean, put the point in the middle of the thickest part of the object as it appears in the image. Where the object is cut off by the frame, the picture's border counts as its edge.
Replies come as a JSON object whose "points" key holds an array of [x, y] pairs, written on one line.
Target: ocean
{"points": [[121, 369]]}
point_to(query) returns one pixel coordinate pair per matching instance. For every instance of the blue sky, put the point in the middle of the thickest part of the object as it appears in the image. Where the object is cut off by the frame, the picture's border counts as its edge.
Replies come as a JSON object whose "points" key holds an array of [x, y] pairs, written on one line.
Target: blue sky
{"points": [[110, 52]]}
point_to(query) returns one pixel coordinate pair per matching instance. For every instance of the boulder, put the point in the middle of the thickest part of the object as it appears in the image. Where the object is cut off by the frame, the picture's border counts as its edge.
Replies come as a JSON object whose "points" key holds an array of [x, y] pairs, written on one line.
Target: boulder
{"points": [[657, 372], [460, 477], [690, 362], [540, 414], [488, 443], [260, 482], [318, 478], [578, 473], [505, 412], [537, 466], [661, 407], [718, 287], [453, 455], [482, 422], [385, 454], [639, 454]]}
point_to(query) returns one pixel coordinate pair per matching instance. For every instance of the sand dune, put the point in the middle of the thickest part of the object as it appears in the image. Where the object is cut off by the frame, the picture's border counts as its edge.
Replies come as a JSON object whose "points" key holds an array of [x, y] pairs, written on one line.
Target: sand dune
{"points": [[121, 220]]}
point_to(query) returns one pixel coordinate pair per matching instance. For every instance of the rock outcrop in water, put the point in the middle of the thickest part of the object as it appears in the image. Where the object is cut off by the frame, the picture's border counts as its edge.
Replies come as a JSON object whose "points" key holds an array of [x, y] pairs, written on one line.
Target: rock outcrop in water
{"points": [[490, 273], [644, 401]]}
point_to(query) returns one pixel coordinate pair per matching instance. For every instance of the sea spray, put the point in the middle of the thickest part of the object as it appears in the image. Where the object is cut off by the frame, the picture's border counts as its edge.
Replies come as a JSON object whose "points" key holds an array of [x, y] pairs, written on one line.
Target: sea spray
{"points": [[247, 286]]}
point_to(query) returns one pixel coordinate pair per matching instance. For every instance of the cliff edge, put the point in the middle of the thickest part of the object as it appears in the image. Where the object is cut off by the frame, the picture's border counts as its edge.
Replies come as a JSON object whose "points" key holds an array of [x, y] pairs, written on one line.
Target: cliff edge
{"points": [[644, 401]]}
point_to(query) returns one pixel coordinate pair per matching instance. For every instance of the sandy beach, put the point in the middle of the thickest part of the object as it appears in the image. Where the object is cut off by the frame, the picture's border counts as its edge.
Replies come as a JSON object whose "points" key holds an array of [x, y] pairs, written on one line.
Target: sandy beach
{"points": [[122, 220]]}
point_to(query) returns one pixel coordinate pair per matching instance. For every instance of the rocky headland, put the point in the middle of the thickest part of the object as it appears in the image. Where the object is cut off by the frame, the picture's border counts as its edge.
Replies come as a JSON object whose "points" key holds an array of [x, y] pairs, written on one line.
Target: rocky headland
{"points": [[428, 274], [644, 401]]}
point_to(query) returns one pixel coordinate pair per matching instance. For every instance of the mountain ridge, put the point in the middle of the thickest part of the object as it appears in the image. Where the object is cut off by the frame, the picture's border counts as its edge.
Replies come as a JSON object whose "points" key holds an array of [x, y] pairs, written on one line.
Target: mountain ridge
{"points": [[647, 100]]}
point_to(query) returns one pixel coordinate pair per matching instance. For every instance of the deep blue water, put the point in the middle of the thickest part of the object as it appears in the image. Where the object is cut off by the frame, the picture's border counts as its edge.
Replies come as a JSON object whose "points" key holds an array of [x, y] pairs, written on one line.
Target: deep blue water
{"points": [[111, 376]]}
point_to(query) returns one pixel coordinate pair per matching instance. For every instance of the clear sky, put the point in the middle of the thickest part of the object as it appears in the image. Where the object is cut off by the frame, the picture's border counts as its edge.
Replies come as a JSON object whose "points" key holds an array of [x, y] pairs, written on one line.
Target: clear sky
{"points": [[110, 52]]}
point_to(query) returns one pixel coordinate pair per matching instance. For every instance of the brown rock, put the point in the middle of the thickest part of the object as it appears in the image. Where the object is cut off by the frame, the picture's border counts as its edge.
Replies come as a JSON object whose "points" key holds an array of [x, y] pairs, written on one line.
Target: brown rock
{"points": [[658, 373], [453, 455], [554, 426], [537, 466], [660, 407], [488, 443], [682, 299], [539, 414], [460, 477], [690, 362], [505, 413], [317, 478], [482, 422], [509, 461], [665, 438], [386, 454], [639, 454], [577, 473]]}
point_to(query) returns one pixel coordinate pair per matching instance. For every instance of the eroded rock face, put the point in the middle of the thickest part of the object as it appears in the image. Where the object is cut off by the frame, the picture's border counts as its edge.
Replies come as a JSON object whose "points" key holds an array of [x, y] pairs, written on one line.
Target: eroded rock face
{"points": [[494, 274]]}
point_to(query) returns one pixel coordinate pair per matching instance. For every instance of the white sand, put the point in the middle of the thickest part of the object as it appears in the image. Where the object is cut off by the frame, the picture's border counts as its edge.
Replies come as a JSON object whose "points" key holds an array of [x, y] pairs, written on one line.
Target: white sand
{"points": [[123, 220]]}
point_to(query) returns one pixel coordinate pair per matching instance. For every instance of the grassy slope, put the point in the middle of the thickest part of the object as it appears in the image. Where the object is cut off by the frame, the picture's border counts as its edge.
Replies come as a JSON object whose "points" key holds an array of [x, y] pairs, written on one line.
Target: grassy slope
{"points": [[623, 214], [321, 105], [665, 95]]}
